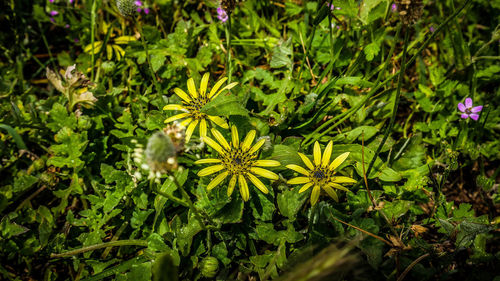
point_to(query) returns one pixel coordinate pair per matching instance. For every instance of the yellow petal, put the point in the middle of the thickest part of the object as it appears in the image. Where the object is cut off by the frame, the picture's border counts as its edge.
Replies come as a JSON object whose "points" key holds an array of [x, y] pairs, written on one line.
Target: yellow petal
{"points": [[176, 117], [338, 186], [204, 84], [317, 154], [298, 180], [218, 179], [331, 192], [245, 194], [213, 144], [264, 173], [192, 88], [219, 121], [218, 136], [124, 39], [190, 130], [298, 169], [247, 142], [256, 146], [109, 51], [306, 161], [203, 127], [210, 170], [182, 95], [338, 161], [173, 107], [257, 183], [185, 122], [267, 163], [343, 180], [305, 187], [231, 185], [315, 194], [207, 161], [235, 137], [216, 87], [228, 87], [326, 154], [117, 52]]}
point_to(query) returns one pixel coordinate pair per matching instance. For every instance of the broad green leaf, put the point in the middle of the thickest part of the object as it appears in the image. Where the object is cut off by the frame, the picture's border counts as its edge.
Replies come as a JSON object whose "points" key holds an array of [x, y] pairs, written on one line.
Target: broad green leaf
{"points": [[225, 105]]}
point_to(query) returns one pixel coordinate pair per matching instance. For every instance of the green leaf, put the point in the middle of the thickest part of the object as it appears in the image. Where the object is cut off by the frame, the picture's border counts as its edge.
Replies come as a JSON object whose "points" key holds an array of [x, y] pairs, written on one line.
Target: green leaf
{"points": [[157, 61], [262, 206], [225, 105], [231, 213], [397, 208], [282, 55], [372, 10], [290, 202]]}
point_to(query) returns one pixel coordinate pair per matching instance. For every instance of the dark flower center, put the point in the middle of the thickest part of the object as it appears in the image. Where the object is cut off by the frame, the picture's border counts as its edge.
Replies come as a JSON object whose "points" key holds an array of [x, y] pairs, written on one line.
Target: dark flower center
{"points": [[468, 110], [319, 174], [237, 161]]}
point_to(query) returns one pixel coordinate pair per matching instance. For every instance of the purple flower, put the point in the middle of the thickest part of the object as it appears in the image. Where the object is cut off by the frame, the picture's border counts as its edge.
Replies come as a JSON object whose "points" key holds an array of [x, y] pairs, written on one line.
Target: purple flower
{"points": [[53, 13], [221, 14], [469, 111], [332, 7], [394, 7], [70, 1], [141, 7], [432, 29], [51, 1]]}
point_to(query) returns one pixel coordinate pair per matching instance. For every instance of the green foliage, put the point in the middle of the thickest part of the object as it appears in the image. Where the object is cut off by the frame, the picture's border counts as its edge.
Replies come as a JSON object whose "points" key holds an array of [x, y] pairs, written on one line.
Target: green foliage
{"points": [[81, 200]]}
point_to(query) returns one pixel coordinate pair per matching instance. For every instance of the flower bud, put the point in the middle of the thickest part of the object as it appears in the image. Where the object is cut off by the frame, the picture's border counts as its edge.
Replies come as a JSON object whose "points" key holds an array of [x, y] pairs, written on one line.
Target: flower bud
{"points": [[126, 7], [209, 267], [160, 153]]}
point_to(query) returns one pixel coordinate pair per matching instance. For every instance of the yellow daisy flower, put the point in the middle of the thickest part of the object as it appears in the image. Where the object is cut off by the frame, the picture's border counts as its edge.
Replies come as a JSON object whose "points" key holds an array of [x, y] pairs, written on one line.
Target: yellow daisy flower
{"points": [[238, 160], [321, 173], [192, 104]]}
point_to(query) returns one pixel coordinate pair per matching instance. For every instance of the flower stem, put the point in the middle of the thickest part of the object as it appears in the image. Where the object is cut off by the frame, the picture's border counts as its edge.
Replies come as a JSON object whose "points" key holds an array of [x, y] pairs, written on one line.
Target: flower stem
{"points": [[187, 200], [228, 38], [100, 246], [145, 46], [92, 39], [396, 103]]}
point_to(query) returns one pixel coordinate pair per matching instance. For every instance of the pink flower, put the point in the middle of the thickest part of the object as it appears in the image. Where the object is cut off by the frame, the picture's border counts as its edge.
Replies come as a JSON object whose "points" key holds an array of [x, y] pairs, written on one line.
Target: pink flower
{"points": [[53, 13], [394, 7], [221, 14], [469, 111]]}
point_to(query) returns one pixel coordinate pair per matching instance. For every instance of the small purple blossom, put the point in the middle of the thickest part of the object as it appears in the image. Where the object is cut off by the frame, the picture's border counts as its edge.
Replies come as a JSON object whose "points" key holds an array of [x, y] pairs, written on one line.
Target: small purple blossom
{"points": [[51, 1], [66, 26], [332, 7], [394, 7], [70, 1], [53, 13], [432, 29], [141, 7], [221, 14], [469, 111]]}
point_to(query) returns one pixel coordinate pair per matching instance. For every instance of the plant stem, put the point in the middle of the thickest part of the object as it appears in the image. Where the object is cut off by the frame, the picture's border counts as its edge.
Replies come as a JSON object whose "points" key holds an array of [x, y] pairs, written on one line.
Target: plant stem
{"points": [[118, 243], [145, 46], [396, 103], [92, 31], [190, 204], [228, 39]]}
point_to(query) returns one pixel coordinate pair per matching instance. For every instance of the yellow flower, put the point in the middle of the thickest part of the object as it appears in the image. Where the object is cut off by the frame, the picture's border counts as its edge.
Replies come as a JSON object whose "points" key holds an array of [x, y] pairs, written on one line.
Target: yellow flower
{"points": [[321, 173], [238, 160], [194, 102], [112, 45]]}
